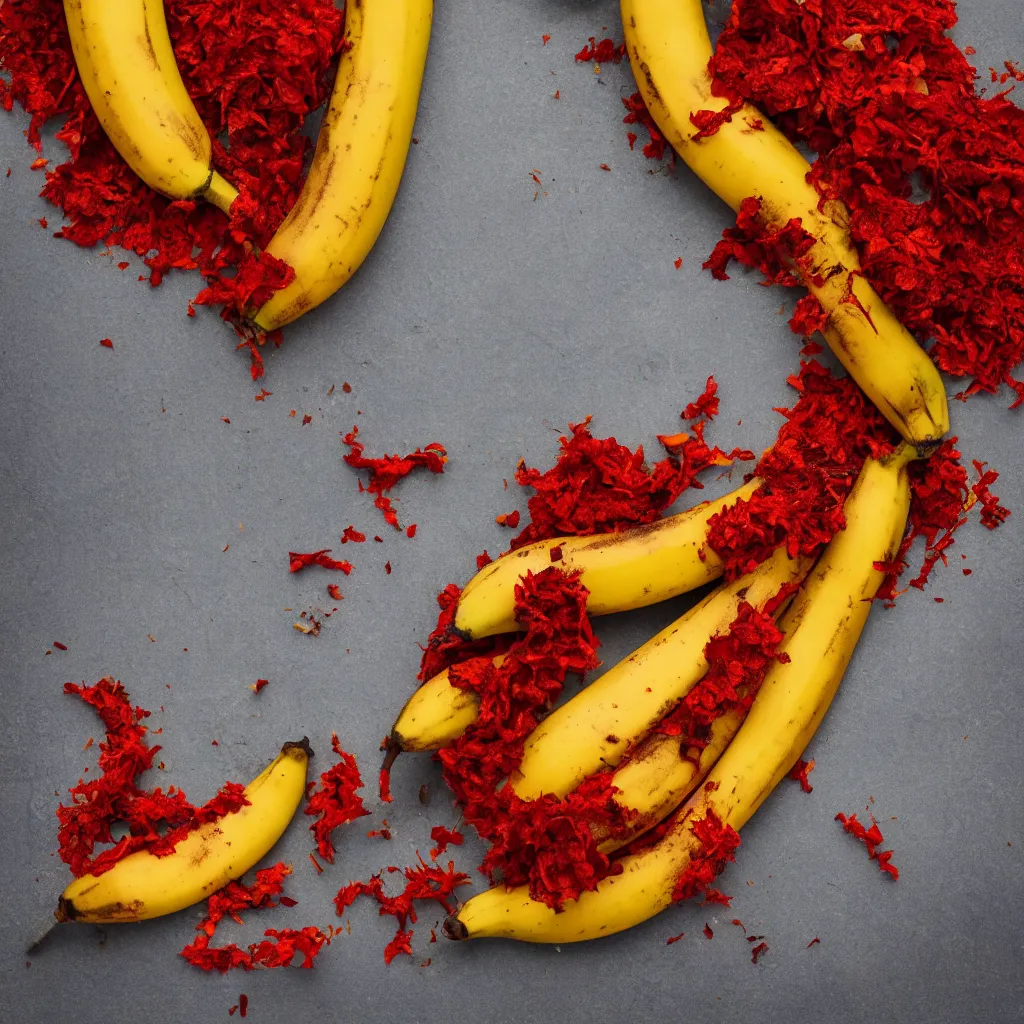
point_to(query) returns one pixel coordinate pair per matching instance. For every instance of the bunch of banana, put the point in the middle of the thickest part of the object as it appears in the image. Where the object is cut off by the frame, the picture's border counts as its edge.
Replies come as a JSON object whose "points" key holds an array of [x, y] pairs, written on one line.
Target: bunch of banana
{"points": [[143, 885], [821, 628], [359, 158], [630, 569], [669, 50], [127, 67]]}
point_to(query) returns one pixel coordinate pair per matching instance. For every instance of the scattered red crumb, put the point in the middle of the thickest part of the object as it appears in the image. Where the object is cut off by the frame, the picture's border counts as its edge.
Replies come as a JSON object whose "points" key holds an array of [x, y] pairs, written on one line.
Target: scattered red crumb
{"points": [[387, 470], [872, 838], [243, 1005], [59, 645], [43, 222], [384, 785], [739, 924], [38, 164], [800, 772], [509, 519], [297, 561], [605, 167], [813, 942], [353, 535], [706, 406], [444, 837], [307, 419], [346, 387], [603, 52], [259, 684], [758, 951], [675, 938], [410, 530], [263, 395], [545, 39], [123, 265], [708, 933], [106, 343], [335, 591], [678, 261], [157, 821], [336, 801]]}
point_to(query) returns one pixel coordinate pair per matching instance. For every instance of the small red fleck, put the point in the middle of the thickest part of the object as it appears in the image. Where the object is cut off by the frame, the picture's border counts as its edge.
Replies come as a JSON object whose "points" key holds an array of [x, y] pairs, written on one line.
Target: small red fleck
{"points": [[739, 924], [675, 938], [293, 413], [231, 1010], [678, 261], [758, 951], [967, 572], [558, 94], [939, 600], [347, 388], [8, 172], [59, 645], [544, 39], [316, 864], [243, 1005], [509, 519], [214, 743], [263, 395], [259, 684], [224, 419], [123, 265], [410, 530], [152, 639], [605, 167], [223, 549], [88, 743], [708, 933], [38, 164], [556, 553], [335, 592], [813, 941], [287, 901], [352, 534], [800, 772], [387, 568], [43, 222], [379, 540], [106, 343], [306, 420]]}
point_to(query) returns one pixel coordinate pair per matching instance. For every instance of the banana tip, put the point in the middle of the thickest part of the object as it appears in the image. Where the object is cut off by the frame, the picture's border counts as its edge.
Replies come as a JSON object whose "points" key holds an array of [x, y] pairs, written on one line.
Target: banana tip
{"points": [[454, 929], [302, 745], [392, 748], [65, 910]]}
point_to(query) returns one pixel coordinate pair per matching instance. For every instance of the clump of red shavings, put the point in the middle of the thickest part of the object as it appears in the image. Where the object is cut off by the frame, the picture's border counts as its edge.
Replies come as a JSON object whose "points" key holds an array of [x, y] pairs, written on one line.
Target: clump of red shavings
{"points": [[157, 821], [758, 951], [738, 661], [718, 844], [931, 171], [800, 772], [444, 837], [992, 513], [277, 949], [298, 561], [872, 838], [335, 801], [386, 471], [422, 882], [599, 486], [603, 52], [255, 72]]}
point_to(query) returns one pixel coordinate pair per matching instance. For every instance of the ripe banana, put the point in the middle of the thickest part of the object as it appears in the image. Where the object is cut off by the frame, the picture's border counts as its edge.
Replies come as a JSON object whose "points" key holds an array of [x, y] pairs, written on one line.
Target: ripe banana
{"points": [[821, 629], [669, 50], [614, 713], [143, 885], [127, 67], [359, 157], [629, 569]]}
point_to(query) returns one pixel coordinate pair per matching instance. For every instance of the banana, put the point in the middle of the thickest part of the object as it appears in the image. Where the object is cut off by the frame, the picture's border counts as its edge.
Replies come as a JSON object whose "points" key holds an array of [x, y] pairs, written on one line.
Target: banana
{"points": [[143, 886], [614, 713], [359, 157], [821, 629], [127, 67], [629, 569], [669, 49]]}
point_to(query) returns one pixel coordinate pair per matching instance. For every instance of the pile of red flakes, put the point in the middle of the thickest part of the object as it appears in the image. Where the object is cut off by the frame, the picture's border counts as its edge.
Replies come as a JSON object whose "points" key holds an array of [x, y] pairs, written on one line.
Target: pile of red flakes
{"points": [[255, 71]]}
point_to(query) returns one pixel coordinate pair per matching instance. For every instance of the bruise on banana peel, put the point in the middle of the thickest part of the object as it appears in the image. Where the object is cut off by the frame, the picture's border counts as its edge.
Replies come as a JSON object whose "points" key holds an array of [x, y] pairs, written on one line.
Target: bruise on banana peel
{"points": [[669, 49]]}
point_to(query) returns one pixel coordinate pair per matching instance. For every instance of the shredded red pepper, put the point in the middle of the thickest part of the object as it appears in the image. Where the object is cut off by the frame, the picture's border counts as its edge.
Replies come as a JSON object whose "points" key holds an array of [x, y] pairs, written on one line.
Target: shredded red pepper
{"points": [[387, 470], [157, 821], [444, 837], [336, 801], [298, 561], [800, 772], [718, 845], [872, 838]]}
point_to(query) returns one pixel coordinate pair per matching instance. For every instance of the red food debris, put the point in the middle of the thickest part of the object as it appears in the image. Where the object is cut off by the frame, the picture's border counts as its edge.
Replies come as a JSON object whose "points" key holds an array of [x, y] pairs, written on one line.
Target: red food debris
{"points": [[678, 261], [444, 837], [708, 933], [718, 844], [509, 519], [386, 471], [800, 772], [605, 167], [602, 52], [758, 951], [813, 941], [872, 838], [277, 949], [675, 938], [352, 534], [297, 561], [38, 164], [243, 1005], [384, 785], [157, 821], [335, 801], [545, 39], [263, 395], [306, 420], [422, 882], [992, 513], [106, 343], [410, 530], [259, 684], [346, 387], [387, 568], [59, 645], [335, 591], [43, 222], [706, 406]]}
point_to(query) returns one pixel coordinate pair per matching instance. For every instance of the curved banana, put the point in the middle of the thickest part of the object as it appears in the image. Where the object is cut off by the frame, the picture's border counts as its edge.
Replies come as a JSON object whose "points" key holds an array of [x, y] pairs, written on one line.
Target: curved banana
{"points": [[615, 712], [630, 569], [821, 629], [127, 67], [143, 885], [359, 157], [669, 50]]}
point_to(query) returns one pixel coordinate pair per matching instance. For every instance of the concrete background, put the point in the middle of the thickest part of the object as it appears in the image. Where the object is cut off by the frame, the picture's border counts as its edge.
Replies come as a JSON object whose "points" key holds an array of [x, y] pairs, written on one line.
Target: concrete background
{"points": [[485, 320]]}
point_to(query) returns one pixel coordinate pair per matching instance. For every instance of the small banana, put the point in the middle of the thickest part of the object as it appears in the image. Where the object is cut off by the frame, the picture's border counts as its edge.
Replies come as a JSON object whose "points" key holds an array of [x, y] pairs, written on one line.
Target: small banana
{"points": [[143, 885], [632, 568], [614, 713], [821, 629], [359, 157], [127, 67], [669, 50]]}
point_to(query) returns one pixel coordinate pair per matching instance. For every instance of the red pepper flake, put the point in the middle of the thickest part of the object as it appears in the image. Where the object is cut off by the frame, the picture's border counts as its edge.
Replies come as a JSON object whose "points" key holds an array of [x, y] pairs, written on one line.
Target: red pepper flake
{"points": [[157, 821], [306, 420], [263, 395], [800, 772], [872, 838], [410, 530], [379, 833], [224, 419], [708, 933], [316, 864], [59, 645], [545, 39], [353, 535], [758, 951], [604, 167], [123, 265], [38, 164], [43, 222], [602, 52], [483, 559], [444, 838], [706, 406], [739, 924], [992, 513], [678, 261], [967, 572], [259, 684], [298, 561], [384, 785], [346, 387], [335, 591], [674, 939], [243, 1005], [558, 94], [379, 540], [106, 343], [387, 568], [401, 943], [386, 471], [814, 941], [509, 519], [335, 802]]}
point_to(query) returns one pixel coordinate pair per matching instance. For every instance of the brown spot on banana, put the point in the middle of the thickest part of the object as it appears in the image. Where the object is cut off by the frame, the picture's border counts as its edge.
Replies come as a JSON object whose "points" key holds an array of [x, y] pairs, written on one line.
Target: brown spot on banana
{"points": [[120, 911]]}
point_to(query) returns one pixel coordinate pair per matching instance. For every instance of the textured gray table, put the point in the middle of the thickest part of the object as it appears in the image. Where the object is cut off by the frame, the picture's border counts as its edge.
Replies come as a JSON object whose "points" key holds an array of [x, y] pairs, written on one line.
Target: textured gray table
{"points": [[487, 321]]}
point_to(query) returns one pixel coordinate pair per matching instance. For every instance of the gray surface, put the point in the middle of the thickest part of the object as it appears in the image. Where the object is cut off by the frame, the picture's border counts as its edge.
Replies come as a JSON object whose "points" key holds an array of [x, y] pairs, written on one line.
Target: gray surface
{"points": [[486, 321]]}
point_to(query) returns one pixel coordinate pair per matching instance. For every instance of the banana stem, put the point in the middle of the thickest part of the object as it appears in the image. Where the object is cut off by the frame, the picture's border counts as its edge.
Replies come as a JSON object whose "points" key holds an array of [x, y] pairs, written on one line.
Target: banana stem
{"points": [[220, 192]]}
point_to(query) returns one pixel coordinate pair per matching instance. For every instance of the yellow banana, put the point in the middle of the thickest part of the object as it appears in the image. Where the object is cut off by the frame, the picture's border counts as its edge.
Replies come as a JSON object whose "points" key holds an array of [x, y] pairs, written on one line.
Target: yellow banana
{"points": [[821, 629], [143, 885], [612, 714], [127, 67], [669, 49], [630, 569], [359, 156]]}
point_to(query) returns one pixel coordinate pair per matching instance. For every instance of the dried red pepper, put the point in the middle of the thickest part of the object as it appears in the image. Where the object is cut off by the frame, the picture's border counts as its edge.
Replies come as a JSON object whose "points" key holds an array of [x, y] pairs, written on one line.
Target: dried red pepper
{"points": [[872, 838], [336, 801]]}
